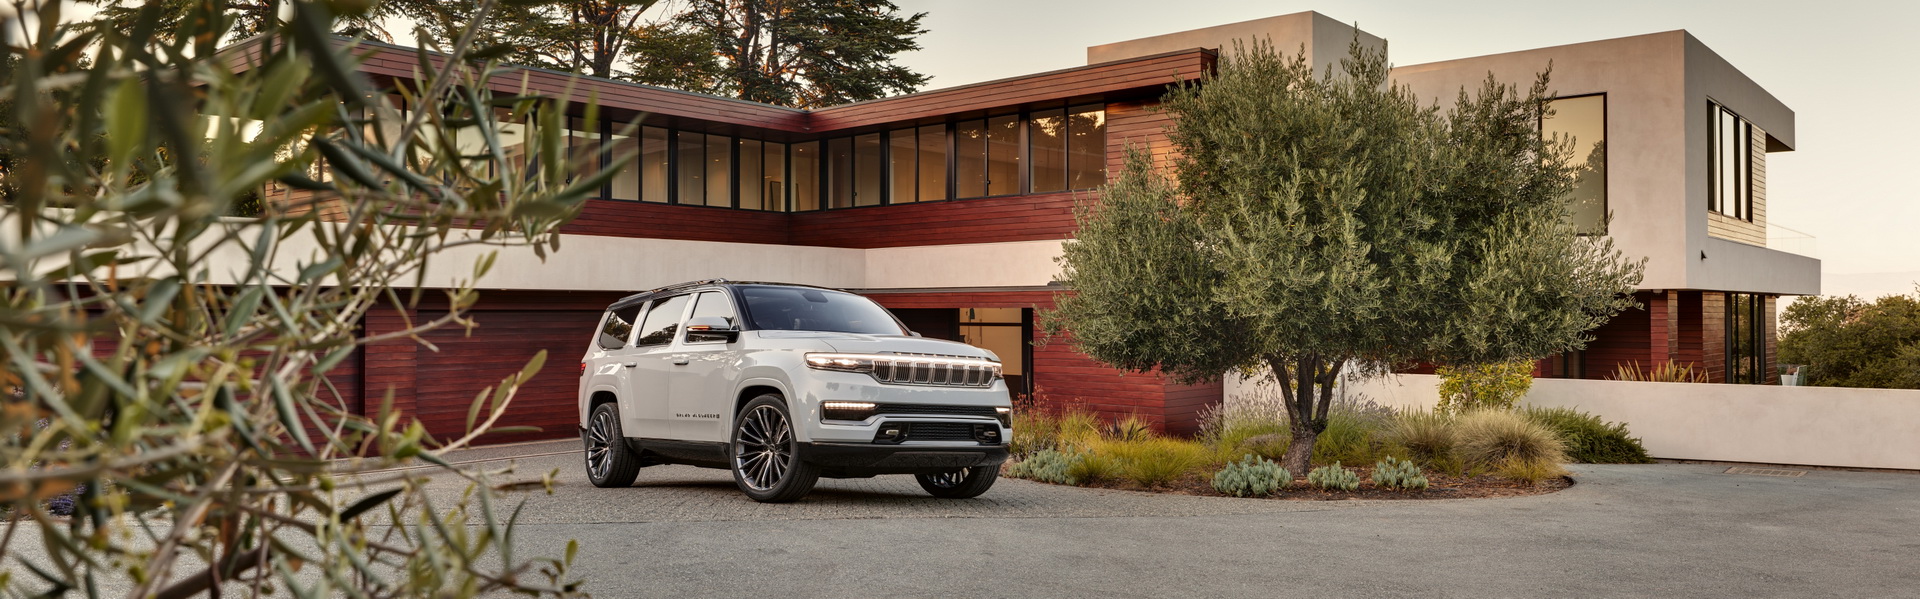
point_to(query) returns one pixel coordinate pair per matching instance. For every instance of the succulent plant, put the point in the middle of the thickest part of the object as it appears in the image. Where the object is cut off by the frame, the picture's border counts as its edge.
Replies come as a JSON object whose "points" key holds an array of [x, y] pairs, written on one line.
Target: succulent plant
{"points": [[1398, 474], [1334, 477], [1252, 475], [1047, 466]]}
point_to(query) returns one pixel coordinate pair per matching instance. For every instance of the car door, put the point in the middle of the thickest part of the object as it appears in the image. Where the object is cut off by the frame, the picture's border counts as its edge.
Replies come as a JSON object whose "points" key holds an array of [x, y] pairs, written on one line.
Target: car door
{"points": [[705, 368], [611, 346], [644, 410]]}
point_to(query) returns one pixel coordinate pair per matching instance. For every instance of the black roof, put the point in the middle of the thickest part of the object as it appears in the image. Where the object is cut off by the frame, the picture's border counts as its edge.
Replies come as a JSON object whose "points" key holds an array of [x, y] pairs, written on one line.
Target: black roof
{"points": [[652, 293]]}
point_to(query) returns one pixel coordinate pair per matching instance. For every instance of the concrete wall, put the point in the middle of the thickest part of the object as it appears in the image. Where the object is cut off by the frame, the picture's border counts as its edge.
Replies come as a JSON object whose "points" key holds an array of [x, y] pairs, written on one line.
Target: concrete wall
{"points": [[1657, 88], [1812, 426], [1324, 39]]}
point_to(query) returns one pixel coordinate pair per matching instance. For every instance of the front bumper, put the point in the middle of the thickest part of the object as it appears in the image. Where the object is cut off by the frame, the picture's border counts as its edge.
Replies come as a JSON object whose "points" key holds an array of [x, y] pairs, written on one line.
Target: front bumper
{"points": [[870, 459]]}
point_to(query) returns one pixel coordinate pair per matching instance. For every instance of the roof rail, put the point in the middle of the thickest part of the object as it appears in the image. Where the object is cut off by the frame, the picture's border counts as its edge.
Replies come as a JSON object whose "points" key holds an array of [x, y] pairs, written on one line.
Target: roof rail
{"points": [[631, 299]]}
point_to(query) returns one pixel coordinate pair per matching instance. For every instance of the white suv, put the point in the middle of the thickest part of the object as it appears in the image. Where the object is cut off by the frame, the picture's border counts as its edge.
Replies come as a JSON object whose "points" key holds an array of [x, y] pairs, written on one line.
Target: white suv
{"points": [[784, 384]]}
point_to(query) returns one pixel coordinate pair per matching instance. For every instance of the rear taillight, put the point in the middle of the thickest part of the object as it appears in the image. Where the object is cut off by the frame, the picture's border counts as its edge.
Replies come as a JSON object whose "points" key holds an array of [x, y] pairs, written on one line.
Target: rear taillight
{"points": [[583, 368]]}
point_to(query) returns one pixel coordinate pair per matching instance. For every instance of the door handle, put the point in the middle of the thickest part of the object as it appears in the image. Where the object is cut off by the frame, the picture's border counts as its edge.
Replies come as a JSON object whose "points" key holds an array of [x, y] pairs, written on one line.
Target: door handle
{"points": [[681, 360], [631, 364]]}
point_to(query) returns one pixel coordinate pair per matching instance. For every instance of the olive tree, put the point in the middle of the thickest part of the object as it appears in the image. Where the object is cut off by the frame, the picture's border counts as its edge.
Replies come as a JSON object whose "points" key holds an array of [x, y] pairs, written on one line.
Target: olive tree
{"points": [[168, 362], [1315, 224]]}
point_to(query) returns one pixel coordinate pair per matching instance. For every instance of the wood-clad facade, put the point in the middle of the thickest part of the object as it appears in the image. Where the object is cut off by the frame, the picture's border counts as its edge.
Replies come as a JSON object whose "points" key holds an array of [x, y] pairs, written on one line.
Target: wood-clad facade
{"points": [[951, 168]]}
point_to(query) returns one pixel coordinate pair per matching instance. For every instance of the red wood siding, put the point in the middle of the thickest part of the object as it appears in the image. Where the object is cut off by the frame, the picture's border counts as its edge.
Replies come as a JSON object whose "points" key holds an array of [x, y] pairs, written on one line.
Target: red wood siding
{"points": [[1148, 72], [1624, 340], [1137, 124], [1012, 218], [447, 380], [661, 221]]}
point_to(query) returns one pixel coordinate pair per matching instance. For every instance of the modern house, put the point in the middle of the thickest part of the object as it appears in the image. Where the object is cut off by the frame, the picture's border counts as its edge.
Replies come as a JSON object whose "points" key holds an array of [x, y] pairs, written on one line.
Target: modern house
{"points": [[949, 207]]}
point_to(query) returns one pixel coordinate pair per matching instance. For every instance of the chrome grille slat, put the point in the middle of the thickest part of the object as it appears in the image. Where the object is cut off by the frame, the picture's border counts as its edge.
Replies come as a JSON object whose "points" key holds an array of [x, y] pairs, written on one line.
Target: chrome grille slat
{"points": [[933, 370]]}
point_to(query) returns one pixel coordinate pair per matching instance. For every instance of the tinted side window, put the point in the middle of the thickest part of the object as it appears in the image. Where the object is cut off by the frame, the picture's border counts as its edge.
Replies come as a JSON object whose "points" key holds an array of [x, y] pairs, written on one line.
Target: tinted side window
{"points": [[619, 325], [662, 321], [712, 303]]}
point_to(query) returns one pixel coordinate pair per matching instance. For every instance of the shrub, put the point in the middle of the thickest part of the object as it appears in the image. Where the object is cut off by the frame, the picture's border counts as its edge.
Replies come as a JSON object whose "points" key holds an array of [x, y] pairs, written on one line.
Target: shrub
{"points": [[1398, 474], [1263, 410], [1669, 372], [1471, 387], [1152, 462], [1093, 467], [1510, 444], [1033, 431], [1078, 428], [1267, 445], [1352, 435], [1588, 439], [1130, 428], [1047, 466], [1252, 475], [1429, 439], [1334, 478]]}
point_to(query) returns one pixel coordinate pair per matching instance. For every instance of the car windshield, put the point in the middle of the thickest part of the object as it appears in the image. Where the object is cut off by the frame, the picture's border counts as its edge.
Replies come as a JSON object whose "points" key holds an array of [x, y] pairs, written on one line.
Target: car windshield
{"points": [[804, 309]]}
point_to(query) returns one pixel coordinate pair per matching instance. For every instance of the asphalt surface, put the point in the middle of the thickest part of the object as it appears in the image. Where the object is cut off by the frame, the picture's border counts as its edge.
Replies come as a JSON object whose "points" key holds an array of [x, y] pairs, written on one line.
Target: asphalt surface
{"points": [[1670, 530]]}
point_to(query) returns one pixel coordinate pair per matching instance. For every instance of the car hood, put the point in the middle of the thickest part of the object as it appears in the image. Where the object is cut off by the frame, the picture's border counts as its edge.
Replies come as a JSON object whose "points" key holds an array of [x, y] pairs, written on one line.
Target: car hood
{"points": [[880, 344]]}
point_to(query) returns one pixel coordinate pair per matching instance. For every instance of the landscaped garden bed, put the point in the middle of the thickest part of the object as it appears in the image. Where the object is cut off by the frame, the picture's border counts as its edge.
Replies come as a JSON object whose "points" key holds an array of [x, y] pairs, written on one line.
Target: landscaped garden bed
{"points": [[1424, 454]]}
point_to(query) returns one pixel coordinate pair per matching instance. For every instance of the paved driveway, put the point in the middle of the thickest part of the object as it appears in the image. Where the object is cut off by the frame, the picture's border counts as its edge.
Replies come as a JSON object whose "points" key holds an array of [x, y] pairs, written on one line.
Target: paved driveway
{"points": [[1629, 531]]}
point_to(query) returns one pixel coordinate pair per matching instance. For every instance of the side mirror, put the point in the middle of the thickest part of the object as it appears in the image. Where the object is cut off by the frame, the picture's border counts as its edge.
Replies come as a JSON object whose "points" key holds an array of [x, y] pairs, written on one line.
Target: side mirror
{"points": [[711, 328]]}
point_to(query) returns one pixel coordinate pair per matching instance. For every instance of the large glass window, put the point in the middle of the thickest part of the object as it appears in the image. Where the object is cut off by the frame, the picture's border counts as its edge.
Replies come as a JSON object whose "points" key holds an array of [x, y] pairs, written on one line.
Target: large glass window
{"points": [[1003, 155], [1086, 147], [1746, 346], [868, 169], [917, 164], [653, 164], [902, 168], [840, 172], [933, 163], [583, 147], [753, 157], [1047, 148], [970, 159], [719, 167], [1582, 122], [1730, 160], [662, 321], [806, 176]]}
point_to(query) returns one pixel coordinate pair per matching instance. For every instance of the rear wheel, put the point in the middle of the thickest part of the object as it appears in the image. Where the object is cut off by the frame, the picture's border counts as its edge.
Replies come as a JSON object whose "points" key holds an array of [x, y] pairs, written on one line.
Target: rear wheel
{"points": [[960, 484], [765, 455], [610, 463]]}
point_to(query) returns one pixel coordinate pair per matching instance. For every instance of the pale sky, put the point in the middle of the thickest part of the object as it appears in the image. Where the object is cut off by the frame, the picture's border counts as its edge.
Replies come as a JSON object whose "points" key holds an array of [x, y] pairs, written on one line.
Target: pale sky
{"points": [[1846, 67]]}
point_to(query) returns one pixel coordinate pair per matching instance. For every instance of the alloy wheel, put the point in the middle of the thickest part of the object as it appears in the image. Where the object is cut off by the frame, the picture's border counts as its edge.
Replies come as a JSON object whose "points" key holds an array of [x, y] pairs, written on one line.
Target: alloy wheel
{"points": [[600, 444], [948, 480], [763, 448]]}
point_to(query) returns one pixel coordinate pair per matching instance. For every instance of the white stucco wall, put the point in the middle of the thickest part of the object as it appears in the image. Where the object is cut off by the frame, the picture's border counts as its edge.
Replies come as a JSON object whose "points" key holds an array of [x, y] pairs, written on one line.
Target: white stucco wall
{"points": [[1812, 426], [597, 263]]}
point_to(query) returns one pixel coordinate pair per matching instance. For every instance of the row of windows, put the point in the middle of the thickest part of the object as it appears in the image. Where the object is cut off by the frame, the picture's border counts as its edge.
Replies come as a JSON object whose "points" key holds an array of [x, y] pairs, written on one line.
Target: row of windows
{"points": [[1038, 152]]}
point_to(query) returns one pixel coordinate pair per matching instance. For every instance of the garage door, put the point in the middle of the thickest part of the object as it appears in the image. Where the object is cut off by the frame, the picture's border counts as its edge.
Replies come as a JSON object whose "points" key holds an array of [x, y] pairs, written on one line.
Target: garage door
{"points": [[446, 381]]}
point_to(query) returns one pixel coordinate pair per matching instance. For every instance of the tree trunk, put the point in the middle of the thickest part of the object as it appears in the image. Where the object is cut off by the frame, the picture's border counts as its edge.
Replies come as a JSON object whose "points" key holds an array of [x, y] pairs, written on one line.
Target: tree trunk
{"points": [[1297, 389]]}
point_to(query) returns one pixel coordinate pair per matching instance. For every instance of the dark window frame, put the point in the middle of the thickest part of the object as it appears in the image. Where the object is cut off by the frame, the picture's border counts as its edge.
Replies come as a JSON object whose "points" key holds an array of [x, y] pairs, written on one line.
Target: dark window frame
{"points": [[1742, 208], [1606, 133], [1754, 321]]}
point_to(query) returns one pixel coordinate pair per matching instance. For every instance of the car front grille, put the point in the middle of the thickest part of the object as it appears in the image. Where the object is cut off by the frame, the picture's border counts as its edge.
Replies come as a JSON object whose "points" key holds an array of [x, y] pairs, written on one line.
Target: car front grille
{"points": [[940, 431], [901, 409], [938, 371]]}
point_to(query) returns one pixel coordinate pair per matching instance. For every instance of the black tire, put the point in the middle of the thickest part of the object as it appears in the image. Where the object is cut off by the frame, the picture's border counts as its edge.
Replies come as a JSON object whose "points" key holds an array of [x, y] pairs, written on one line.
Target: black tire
{"points": [[609, 462], [965, 483], [764, 454]]}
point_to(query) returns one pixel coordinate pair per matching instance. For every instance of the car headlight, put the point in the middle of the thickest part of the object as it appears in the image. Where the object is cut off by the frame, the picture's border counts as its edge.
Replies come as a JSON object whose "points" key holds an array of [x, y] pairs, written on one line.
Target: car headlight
{"points": [[910, 369]]}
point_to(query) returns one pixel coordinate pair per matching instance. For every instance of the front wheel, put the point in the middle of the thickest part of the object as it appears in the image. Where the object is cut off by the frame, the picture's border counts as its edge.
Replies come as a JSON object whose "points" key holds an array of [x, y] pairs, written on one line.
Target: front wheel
{"points": [[765, 455], [960, 484]]}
